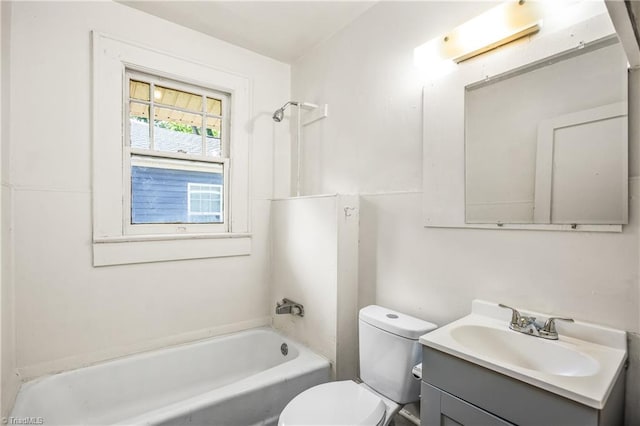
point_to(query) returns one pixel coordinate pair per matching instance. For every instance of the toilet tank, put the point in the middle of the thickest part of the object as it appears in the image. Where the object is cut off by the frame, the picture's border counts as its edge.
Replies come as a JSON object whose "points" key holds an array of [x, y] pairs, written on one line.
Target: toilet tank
{"points": [[389, 349]]}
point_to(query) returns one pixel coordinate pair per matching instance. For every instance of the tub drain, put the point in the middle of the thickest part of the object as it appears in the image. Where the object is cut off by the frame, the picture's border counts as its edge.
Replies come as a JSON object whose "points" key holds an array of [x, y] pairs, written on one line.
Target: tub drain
{"points": [[284, 349]]}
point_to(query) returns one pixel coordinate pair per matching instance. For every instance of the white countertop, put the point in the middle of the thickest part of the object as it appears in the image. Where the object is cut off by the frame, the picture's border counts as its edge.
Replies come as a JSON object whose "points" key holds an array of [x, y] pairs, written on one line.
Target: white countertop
{"points": [[604, 347]]}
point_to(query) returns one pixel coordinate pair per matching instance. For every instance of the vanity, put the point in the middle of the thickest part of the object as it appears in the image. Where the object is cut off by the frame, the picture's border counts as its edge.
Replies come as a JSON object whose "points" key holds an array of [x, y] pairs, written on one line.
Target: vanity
{"points": [[477, 371]]}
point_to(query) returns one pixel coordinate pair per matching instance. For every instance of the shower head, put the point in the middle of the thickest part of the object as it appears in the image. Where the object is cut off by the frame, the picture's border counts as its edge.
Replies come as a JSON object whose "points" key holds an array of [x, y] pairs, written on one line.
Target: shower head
{"points": [[279, 114]]}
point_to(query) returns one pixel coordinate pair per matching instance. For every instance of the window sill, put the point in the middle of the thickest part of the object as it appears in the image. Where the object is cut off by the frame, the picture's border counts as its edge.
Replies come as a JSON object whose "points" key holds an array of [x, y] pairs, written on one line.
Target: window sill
{"points": [[132, 249]]}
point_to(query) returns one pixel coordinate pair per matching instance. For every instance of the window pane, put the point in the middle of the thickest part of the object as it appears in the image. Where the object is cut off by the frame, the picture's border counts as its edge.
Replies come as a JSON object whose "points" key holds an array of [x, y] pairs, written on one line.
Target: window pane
{"points": [[139, 125], [177, 98], [214, 106], [214, 130], [139, 90], [162, 191], [177, 131], [205, 200]]}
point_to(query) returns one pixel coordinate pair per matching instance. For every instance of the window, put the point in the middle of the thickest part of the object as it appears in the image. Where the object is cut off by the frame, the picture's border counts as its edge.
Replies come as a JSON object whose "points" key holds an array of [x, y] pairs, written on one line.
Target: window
{"points": [[175, 156], [160, 123], [205, 200]]}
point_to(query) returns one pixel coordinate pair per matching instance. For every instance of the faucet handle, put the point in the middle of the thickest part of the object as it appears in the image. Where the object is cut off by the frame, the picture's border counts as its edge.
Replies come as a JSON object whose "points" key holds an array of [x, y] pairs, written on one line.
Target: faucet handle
{"points": [[550, 324], [515, 315]]}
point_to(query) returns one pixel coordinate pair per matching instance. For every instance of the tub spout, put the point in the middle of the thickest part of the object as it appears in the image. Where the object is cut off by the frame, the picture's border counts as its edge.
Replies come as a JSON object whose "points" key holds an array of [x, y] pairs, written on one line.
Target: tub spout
{"points": [[287, 306]]}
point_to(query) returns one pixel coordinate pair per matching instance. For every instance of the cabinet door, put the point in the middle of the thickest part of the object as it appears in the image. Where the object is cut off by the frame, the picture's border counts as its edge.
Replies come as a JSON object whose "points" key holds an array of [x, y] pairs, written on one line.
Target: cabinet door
{"points": [[441, 409]]}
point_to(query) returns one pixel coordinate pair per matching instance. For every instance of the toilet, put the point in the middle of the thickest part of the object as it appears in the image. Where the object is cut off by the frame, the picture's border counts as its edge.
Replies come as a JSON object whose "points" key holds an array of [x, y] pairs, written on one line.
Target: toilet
{"points": [[389, 349]]}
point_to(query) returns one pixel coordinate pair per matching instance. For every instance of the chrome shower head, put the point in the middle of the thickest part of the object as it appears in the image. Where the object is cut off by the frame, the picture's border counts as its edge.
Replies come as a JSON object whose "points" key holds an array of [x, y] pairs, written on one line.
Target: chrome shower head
{"points": [[279, 114]]}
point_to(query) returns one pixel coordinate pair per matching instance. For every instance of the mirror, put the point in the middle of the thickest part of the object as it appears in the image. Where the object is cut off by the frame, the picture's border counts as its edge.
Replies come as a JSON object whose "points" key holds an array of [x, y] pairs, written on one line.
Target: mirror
{"points": [[547, 143]]}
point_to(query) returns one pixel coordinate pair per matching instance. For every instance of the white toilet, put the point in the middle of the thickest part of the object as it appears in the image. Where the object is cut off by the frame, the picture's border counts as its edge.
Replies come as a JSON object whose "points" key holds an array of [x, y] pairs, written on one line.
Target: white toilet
{"points": [[389, 349]]}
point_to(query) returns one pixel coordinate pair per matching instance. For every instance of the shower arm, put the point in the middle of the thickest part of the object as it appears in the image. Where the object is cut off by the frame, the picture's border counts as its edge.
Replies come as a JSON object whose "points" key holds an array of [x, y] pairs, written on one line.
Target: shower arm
{"points": [[294, 103], [304, 105]]}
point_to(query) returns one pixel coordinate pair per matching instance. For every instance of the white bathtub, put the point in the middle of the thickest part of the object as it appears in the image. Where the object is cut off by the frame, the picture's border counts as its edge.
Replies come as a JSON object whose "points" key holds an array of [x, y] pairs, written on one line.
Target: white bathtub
{"points": [[239, 379]]}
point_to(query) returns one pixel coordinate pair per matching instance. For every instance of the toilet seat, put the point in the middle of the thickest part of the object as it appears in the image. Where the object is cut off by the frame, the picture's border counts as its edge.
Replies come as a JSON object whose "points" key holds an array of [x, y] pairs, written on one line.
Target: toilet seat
{"points": [[334, 403]]}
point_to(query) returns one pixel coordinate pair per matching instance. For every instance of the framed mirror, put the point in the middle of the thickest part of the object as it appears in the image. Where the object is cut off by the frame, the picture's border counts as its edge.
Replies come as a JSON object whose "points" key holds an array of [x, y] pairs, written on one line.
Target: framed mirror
{"points": [[493, 137], [547, 143]]}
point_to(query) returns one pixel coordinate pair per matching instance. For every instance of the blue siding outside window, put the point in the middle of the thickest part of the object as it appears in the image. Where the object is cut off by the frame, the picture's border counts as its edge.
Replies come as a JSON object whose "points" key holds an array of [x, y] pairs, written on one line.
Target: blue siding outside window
{"points": [[161, 195]]}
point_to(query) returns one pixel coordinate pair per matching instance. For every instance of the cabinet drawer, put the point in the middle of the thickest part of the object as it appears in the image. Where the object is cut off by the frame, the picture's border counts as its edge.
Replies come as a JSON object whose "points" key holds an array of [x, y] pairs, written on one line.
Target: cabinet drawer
{"points": [[441, 409]]}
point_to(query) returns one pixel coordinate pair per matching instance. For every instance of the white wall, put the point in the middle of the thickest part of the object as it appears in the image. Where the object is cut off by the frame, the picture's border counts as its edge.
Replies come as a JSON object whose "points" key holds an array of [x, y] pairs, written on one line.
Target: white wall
{"points": [[8, 379], [435, 273], [372, 144], [68, 313], [315, 261], [371, 141]]}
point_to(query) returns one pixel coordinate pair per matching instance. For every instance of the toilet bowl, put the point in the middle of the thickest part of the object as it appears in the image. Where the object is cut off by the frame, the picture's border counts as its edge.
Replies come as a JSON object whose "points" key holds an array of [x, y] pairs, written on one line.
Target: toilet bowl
{"points": [[338, 403], [389, 349]]}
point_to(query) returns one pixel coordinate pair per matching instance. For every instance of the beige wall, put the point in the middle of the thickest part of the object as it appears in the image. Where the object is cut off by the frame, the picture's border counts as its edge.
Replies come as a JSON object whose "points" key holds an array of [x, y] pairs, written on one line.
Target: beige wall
{"points": [[68, 313]]}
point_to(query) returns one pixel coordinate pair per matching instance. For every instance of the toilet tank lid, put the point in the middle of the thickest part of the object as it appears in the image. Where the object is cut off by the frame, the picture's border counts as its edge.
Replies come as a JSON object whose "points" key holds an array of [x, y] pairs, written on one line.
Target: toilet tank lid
{"points": [[395, 322]]}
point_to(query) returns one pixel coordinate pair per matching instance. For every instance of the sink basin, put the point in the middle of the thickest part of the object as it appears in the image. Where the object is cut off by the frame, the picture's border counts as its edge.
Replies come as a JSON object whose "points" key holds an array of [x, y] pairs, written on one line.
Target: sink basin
{"points": [[524, 351], [583, 365]]}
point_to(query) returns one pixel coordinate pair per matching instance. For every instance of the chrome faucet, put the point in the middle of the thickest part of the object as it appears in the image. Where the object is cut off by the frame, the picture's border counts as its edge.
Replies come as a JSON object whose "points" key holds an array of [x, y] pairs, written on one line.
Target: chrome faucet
{"points": [[549, 328], [528, 325], [521, 323], [288, 306]]}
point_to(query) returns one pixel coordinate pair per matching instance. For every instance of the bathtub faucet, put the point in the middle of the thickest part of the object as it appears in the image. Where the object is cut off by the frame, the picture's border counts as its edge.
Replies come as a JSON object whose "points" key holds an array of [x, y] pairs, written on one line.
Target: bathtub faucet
{"points": [[288, 306]]}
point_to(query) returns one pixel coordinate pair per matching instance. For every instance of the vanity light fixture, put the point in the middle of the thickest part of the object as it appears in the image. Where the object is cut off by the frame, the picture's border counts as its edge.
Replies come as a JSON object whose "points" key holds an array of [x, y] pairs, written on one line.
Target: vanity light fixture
{"points": [[500, 25]]}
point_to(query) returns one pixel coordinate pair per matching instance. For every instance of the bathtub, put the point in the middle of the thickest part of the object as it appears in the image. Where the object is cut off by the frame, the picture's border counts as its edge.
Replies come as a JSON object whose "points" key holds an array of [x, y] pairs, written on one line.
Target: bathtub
{"points": [[240, 379]]}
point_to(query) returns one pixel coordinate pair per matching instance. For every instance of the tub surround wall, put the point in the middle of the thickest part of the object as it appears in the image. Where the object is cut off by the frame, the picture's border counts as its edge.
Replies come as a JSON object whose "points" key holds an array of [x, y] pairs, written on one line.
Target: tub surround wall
{"points": [[348, 231], [314, 254], [68, 313], [372, 145]]}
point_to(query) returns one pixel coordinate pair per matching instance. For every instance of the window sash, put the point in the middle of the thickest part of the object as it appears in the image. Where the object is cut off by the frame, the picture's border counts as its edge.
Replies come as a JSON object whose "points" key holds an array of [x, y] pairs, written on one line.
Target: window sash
{"points": [[152, 80], [171, 228], [164, 157]]}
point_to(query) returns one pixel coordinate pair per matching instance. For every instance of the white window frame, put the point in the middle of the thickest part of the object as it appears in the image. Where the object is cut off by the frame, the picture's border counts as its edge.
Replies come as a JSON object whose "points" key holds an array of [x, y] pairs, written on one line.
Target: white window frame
{"points": [[197, 162], [112, 243], [212, 190]]}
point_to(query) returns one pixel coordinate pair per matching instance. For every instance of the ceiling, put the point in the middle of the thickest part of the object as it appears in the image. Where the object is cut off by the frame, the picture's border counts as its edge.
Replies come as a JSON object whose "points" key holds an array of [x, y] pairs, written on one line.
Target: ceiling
{"points": [[283, 30]]}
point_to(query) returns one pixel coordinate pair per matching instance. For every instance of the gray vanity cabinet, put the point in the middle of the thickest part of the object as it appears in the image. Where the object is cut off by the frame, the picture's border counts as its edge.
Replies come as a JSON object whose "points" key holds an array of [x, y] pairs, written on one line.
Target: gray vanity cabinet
{"points": [[458, 392], [442, 409]]}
